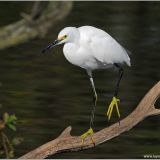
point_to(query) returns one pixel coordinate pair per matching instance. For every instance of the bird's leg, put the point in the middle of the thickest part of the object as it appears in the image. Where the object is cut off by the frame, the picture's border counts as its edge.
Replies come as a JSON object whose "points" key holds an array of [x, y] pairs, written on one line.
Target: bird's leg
{"points": [[115, 100], [94, 102], [90, 132]]}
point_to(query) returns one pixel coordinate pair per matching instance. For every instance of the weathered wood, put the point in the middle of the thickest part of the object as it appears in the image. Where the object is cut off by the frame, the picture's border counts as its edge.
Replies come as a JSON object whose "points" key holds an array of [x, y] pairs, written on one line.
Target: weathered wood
{"points": [[34, 25], [66, 142]]}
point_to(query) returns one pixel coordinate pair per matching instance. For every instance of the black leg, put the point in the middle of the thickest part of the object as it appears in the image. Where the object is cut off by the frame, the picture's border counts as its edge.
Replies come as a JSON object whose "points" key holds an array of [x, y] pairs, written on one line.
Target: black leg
{"points": [[114, 99], [119, 79], [94, 99]]}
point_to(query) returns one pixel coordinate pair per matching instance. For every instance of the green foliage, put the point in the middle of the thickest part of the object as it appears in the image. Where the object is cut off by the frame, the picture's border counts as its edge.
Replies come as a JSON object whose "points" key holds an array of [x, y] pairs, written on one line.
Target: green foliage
{"points": [[10, 121], [17, 140], [7, 145]]}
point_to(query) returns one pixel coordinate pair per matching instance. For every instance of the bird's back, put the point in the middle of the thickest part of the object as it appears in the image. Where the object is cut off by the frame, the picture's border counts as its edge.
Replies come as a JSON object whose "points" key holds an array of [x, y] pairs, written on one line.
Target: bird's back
{"points": [[102, 46]]}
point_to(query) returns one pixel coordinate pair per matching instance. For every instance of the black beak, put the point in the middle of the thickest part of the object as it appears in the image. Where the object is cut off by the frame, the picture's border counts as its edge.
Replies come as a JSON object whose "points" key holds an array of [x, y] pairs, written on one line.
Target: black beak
{"points": [[50, 45]]}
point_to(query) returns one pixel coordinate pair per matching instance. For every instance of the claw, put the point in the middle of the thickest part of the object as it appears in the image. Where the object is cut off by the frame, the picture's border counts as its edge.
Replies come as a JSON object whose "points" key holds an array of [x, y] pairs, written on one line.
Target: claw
{"points": [[114, 102], [86, 134]]}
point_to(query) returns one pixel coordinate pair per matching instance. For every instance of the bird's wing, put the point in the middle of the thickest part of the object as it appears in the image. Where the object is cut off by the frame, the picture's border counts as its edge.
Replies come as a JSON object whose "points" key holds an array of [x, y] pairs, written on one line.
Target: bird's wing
{"points": [[87, 32], [103, 47]]}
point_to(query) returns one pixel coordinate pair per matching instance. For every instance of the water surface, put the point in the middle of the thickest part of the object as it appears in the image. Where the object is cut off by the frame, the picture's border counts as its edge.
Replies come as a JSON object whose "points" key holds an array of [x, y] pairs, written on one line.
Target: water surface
{"points": [[51, 94]]}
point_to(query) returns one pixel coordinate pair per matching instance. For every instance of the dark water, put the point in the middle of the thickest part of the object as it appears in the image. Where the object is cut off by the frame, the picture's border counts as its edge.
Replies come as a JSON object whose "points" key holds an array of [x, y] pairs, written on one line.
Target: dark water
{"points": [[51, 94]]}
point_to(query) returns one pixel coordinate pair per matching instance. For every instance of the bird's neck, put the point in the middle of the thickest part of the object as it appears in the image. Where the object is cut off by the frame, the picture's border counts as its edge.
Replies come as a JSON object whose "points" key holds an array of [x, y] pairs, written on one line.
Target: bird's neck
{"points": [[75, 37]]}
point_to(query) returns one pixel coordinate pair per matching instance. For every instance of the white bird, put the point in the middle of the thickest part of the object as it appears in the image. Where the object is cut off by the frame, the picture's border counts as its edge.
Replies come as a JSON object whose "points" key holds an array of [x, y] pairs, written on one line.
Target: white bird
{"points": [[92, 48]]}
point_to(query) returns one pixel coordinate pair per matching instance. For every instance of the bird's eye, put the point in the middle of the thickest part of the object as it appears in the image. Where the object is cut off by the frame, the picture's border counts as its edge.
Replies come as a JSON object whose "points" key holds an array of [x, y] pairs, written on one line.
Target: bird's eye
{"points": [[65, 36]]}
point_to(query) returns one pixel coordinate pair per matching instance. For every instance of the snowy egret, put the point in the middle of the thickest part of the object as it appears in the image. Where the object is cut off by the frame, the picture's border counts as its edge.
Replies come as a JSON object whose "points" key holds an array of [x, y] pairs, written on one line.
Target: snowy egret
{"points": [[92, 48]]}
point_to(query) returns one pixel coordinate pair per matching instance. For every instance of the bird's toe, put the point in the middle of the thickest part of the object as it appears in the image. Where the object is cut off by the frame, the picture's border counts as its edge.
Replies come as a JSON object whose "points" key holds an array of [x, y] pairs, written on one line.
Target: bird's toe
{"points": [[113, 103], [90, 133]]}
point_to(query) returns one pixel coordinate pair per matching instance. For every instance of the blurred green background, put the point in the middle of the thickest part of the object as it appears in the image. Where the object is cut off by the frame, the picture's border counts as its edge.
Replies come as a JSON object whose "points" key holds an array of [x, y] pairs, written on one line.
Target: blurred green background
{"points": [[49, 94]]}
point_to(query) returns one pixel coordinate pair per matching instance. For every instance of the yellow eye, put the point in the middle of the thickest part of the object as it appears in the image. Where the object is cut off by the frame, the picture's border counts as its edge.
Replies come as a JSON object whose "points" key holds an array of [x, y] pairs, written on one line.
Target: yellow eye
{"points": [[62, 38]]}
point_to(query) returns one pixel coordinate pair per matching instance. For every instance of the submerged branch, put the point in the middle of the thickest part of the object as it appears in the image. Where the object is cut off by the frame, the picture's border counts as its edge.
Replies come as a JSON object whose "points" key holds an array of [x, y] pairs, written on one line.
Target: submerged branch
{"points": [[36, 24]]}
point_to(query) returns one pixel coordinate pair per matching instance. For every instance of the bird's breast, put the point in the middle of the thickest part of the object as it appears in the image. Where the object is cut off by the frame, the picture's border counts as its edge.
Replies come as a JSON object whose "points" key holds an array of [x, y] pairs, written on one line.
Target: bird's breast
{"points": [[79, 55], [70, 52]]}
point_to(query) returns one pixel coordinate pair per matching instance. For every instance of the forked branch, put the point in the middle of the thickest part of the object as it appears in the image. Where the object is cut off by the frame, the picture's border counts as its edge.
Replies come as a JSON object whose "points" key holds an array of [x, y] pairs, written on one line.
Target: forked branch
{"points": [[66, 142]]}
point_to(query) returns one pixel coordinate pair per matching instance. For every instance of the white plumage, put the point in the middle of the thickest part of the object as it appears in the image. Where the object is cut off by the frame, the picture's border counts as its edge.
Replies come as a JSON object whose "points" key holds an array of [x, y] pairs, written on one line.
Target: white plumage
{"points": [[92, 48]]}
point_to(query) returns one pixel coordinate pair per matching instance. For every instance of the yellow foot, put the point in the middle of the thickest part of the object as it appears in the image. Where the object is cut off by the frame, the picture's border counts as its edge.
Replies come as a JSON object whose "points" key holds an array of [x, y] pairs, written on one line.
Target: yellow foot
{"points": [[114, 102], [86, 134]]}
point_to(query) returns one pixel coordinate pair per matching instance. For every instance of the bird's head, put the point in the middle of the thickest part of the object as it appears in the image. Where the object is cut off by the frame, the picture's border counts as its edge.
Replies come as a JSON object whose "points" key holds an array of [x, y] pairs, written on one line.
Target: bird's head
{"points": [[68, 34]]}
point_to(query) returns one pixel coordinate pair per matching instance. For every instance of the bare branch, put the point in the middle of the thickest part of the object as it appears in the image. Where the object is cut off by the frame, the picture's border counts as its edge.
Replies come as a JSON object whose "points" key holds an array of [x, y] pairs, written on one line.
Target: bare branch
{"points": [[66, 142]]}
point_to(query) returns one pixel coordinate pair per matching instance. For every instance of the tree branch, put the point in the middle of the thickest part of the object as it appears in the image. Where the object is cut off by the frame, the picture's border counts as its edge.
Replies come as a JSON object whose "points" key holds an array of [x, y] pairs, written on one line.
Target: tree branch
{"points": [[44, 15], [66, 142]]}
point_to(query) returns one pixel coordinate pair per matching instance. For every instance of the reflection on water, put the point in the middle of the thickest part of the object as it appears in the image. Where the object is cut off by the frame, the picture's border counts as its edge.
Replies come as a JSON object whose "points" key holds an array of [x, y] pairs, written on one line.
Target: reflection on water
{"points": [[51, 94]]}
